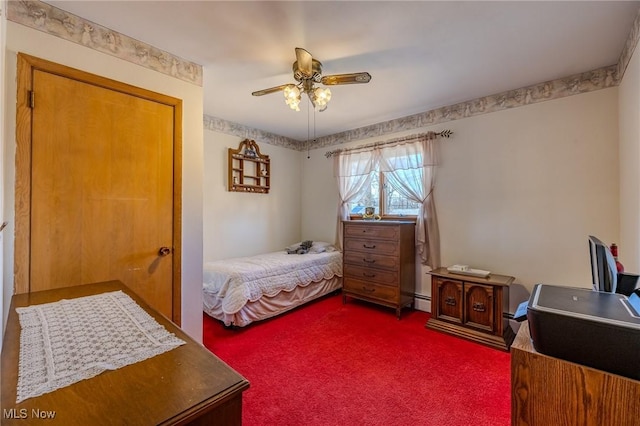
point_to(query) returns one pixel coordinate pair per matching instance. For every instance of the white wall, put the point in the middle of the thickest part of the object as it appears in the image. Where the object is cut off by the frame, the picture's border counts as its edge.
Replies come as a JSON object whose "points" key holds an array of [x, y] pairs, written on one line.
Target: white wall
{"points": [[244, 224], [629, 121], [39, 44], [518, 191]]}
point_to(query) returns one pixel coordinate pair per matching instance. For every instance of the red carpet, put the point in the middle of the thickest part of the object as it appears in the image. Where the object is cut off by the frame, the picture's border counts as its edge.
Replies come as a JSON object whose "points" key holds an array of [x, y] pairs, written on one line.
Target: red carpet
{"points": [[332, 364]]}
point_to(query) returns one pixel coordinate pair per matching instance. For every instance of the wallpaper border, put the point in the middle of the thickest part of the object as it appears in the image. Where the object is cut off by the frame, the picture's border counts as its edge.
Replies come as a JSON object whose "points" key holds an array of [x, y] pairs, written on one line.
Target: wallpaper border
{"points": [[49, 19], [236, 129], [57, 22], [549, 90], [589, 81]]}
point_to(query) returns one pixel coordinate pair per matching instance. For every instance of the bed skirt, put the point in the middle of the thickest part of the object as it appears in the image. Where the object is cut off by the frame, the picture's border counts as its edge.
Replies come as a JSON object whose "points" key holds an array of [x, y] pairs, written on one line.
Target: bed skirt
{"points": [[267, 307]]}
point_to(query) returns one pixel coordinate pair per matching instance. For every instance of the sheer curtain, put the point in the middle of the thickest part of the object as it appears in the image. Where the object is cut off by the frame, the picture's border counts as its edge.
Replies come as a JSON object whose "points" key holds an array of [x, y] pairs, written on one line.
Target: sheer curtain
{"points": [[353, 172], [409, 166]]}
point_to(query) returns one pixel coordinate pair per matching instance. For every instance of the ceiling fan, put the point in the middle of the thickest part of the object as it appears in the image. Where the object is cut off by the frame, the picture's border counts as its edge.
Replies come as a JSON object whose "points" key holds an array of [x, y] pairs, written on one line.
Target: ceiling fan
{"points": [[307, 71]]}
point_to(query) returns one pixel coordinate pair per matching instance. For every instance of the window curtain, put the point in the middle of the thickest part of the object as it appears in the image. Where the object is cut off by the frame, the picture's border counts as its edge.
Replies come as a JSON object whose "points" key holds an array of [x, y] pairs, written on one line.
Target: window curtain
{"points": [[410, 166], [353, 172]]}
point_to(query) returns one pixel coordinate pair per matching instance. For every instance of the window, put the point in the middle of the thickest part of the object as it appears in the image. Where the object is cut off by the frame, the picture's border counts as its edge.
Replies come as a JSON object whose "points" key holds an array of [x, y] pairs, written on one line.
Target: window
{"points": [[387, 176], [387, 200]]}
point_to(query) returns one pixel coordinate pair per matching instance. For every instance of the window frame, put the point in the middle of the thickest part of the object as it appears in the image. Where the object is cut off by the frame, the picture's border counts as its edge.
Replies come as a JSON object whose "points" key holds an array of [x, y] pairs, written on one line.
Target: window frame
{"points": [[381, 202]]}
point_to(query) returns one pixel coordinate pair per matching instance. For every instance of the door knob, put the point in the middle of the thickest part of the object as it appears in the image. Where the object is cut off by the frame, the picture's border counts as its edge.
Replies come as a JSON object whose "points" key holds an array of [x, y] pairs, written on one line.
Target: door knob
{"points": [[164, 251]]}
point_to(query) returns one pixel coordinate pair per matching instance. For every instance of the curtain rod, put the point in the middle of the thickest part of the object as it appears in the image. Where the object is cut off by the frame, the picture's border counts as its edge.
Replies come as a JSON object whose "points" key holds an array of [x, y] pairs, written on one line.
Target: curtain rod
{"points": [[444, 133]]}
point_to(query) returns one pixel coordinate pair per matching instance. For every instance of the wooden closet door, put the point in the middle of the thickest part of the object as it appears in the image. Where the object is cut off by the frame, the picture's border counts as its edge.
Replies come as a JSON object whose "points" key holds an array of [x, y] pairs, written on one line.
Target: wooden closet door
{"points": [[102, 180]]}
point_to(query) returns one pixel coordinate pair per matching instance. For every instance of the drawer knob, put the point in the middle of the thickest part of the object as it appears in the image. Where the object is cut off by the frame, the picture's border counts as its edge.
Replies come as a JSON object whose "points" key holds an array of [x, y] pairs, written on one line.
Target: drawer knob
{"points": [[479, 307], [369, 260], [368, 290], [451, 301], [368, 275], [369, 246]]}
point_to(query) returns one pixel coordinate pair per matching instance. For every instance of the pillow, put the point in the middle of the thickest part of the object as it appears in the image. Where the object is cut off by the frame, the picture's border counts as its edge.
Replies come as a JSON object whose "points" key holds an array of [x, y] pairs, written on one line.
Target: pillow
{"points": [[301, 248], [293, 247], [321, 247]]}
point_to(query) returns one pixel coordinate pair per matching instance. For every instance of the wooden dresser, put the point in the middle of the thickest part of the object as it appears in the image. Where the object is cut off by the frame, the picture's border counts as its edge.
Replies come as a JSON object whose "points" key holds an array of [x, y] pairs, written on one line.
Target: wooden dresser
{"points": [[471, 307], [186, 385], [379, 262], [551, 391]]}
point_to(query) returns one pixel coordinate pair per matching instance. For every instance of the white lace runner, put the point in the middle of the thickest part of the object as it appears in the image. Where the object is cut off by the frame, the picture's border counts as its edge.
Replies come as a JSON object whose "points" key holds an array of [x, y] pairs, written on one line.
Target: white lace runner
{"points": [[64, 342]]}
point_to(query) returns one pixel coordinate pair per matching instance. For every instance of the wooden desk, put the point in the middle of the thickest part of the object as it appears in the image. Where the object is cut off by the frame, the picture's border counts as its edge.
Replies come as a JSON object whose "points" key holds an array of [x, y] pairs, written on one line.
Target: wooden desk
{"points": [[187, 385], [550, 391]]}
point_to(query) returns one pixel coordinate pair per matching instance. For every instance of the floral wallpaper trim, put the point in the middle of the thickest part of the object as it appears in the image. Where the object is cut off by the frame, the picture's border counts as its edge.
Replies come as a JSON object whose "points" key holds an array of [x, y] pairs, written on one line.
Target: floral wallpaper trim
{"points": [[630, 46], [555, 89], [573, 85], [51, 20], [54, 21], [223, 126], [580, 83]]}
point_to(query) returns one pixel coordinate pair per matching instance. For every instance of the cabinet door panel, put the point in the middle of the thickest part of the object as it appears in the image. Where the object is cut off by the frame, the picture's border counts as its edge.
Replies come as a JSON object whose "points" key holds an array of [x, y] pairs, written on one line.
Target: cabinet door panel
{"points": [[479, 306], [449, 300]]}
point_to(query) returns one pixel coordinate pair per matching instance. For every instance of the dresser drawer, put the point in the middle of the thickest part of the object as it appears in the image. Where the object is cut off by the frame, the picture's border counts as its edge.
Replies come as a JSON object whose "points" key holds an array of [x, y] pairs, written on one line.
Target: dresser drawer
{"points": [[372, 231], [370, 274], [370, 290], [383, 247], [378, 262], [373, 260]]}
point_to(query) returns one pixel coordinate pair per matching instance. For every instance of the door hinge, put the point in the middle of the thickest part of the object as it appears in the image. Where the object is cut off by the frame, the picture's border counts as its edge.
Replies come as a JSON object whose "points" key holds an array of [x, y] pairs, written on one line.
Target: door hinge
{"points": [[32, 99]]}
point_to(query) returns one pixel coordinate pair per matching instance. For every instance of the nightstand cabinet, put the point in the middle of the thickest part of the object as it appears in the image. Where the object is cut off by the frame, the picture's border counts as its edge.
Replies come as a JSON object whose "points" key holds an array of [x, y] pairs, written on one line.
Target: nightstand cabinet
{"points": [[471, 307], [379, 262]]}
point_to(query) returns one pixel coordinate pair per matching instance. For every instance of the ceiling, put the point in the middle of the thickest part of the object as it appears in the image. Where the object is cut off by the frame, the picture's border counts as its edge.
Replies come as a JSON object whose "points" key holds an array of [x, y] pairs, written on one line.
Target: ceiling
{"points": [[421, 55]]}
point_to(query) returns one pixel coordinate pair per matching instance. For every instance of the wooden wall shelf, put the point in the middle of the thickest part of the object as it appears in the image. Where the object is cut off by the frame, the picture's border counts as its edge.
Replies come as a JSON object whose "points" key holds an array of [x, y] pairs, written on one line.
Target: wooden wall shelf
{"points": [[249, 170]]}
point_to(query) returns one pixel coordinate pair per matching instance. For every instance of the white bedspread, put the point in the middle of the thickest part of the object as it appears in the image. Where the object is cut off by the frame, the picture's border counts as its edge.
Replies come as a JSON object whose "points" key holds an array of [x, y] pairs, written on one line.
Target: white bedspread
{"points": [[240, 280]]}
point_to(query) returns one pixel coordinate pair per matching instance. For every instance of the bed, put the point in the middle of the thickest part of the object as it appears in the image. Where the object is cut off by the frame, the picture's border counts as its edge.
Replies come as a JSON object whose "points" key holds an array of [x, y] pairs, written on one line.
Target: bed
{"points": [[243, 290]]}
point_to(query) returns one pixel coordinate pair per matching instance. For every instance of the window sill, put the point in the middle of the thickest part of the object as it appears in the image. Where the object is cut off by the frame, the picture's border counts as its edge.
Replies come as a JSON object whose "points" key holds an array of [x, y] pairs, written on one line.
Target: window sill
{"points": [[387, 217]]}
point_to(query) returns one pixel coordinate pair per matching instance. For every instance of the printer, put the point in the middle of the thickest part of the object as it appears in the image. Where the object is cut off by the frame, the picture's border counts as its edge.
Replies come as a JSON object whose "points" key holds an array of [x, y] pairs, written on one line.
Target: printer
{"points": [[592, 328]]}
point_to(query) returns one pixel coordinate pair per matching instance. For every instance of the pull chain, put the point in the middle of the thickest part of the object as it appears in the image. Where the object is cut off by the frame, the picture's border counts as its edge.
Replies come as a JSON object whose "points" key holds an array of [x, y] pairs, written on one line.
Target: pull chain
{"points": [[309, 125], [314, 134]]}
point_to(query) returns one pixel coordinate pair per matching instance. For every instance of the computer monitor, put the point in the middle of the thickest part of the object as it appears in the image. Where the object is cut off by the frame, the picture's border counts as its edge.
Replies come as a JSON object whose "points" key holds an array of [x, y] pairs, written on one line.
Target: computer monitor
{"points": [[603, 266]]}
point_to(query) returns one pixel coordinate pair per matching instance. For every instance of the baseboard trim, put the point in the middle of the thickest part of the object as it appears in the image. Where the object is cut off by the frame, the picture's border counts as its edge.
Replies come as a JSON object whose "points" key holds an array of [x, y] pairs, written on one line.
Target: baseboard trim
{"points": [[422, 302], [422, 297]]}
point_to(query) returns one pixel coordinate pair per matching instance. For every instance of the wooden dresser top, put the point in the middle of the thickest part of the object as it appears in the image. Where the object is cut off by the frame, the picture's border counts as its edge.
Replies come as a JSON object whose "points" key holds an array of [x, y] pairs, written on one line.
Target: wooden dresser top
{"points": [[379, 222], [170, 388], [492, 279]]}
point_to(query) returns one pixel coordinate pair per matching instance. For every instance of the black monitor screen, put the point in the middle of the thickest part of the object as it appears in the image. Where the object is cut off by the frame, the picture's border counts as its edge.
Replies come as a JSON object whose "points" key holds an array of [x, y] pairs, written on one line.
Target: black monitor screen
{"points": [[603, 266]]}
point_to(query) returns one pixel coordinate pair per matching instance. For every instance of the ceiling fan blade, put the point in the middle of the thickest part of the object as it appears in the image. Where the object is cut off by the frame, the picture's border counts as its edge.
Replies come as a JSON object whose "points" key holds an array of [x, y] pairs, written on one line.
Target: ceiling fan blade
{"points": [[305, 62], [269, 90], [352, 78]]}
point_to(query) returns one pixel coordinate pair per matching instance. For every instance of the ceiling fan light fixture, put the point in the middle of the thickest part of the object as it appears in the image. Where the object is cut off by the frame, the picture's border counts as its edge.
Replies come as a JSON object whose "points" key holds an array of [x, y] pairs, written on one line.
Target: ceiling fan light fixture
{"points": [[307, 71], [321, 97], [294, 104], [292, 97]]}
